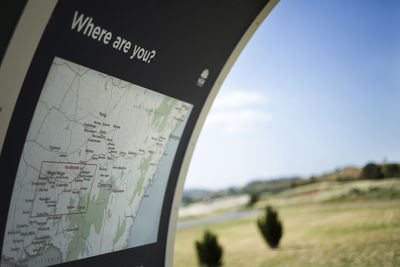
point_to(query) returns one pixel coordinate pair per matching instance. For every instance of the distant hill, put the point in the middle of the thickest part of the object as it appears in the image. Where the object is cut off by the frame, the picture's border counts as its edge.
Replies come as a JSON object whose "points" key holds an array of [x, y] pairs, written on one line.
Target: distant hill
{"points": [[345, 174], [280, 184], [349, 173], [274, 185]]}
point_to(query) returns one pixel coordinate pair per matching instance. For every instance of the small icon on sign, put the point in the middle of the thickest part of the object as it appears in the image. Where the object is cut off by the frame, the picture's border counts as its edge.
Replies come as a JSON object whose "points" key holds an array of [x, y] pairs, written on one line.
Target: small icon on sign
{"points": [[204, 74], [203, 77]]}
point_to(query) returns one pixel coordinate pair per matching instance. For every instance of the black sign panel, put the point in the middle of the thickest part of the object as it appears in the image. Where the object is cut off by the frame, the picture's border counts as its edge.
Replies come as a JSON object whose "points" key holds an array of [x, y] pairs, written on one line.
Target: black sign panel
{"points": [[91, 159]]}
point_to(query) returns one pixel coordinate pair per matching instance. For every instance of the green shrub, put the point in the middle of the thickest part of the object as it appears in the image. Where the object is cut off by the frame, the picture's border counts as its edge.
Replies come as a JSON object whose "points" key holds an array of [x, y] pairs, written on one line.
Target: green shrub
{"points": [[209, 252], [371, 171], [391, 170], [270, 227]]}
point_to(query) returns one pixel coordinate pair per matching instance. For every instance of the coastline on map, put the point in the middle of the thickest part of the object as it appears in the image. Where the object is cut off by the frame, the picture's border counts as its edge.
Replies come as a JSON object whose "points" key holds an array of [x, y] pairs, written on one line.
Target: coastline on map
{"points": [[144, 229]]}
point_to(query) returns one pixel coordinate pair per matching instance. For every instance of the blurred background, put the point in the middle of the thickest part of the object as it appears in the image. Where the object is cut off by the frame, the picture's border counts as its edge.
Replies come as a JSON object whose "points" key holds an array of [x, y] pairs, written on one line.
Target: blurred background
{"points": [[306, 122]]}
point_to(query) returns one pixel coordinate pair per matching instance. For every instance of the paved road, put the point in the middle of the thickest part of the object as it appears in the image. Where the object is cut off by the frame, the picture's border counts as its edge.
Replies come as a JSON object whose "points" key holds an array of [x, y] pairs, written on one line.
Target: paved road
{"points": [[224, 217]]}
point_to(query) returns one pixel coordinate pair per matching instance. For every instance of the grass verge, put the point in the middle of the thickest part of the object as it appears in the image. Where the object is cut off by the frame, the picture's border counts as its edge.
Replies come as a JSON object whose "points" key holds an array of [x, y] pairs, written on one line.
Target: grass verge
{"points": [[365, 232]]}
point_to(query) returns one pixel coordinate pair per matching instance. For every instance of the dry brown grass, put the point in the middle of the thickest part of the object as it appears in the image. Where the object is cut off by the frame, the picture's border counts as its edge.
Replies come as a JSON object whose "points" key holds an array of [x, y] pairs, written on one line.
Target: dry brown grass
{"points": [[363, 233]]}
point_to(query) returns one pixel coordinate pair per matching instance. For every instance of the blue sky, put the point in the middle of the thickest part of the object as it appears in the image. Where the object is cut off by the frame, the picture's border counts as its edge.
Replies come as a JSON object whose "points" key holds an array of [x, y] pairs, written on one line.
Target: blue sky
{"points": [[316, 88]]}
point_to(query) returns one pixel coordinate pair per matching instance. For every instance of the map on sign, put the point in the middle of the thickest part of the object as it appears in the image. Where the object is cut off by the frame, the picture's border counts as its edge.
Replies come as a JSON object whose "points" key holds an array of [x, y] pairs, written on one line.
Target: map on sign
{"points": [[94, 168]]}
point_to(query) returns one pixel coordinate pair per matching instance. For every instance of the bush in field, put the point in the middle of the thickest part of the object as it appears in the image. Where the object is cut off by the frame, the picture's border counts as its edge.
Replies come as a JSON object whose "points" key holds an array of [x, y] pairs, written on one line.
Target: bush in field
{"points": [[209, 252], [371, 171], [391, 170], [270, 227], [254, 197]]}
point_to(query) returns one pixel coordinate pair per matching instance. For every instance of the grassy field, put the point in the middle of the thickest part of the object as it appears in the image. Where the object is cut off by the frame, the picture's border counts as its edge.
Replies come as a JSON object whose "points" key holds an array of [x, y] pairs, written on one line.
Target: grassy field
{"points": [[357, 231]]}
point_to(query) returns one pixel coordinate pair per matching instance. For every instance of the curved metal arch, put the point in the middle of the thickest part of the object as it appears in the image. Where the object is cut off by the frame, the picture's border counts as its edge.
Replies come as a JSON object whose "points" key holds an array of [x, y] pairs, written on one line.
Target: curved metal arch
{"points": [[22, 45], [200, 122]]}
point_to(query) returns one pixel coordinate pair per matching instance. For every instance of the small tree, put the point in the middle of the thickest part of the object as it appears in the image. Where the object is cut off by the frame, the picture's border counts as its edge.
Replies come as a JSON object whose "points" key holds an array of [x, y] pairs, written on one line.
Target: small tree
{"points": [[270, 227], [391, 170], [254, 197], [371, 171], [209, 252]]}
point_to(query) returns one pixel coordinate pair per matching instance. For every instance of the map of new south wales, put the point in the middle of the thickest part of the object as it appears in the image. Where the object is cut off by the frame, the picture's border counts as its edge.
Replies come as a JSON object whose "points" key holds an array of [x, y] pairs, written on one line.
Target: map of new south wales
{"points": [[92, 150]]}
